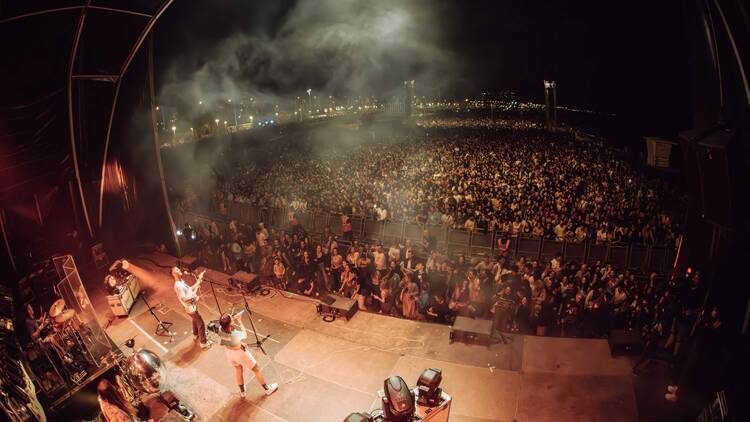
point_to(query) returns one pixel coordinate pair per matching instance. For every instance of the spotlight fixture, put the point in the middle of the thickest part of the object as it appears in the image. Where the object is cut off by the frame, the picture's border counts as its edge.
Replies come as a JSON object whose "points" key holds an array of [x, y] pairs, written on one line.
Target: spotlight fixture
{"points": [[398, 400], [358, 417], [428, 386]]}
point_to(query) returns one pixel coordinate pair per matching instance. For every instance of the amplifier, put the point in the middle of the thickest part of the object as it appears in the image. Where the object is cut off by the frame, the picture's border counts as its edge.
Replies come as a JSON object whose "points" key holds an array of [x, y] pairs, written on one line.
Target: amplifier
{"points": [[247, 282], [625, 342], [337, 307]]}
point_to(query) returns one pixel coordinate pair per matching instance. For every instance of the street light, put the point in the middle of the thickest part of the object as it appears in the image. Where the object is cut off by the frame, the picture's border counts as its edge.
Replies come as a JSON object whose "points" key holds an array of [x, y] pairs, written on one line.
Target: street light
{"points": [[309, 101]]}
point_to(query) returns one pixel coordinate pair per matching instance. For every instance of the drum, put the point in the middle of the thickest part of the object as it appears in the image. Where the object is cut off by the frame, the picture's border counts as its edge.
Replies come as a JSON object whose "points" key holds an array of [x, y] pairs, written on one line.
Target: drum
{"points": [[48, 327]]}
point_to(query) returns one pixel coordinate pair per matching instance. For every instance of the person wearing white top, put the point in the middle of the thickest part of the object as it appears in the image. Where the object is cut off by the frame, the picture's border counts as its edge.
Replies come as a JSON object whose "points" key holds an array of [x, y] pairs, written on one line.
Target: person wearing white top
{"points": [[188, 297]]}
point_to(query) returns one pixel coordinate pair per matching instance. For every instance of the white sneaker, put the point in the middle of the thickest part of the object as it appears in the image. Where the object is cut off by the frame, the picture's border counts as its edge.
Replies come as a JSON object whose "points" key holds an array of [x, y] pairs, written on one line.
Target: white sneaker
{"points": [[272, 388], [207, 344]]}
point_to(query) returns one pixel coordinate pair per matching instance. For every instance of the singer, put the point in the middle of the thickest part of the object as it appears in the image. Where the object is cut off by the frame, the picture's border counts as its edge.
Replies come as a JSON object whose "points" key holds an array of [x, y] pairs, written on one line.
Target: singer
{"points": [[188, 296], [232, 333]]}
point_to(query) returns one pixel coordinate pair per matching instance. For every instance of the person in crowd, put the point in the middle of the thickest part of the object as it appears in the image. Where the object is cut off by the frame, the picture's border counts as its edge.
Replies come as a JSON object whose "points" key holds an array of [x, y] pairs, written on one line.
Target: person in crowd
{"points": [[385, 299], [438, 311], [306, 275], [337, 263], [409, 294], [410, 262], [348, 282], [346, 228], [279, 273]]}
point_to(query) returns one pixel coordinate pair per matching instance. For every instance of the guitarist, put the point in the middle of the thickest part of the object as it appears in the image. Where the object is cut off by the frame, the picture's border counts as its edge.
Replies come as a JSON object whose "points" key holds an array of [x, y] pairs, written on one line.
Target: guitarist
{"points": [[188, 296]]}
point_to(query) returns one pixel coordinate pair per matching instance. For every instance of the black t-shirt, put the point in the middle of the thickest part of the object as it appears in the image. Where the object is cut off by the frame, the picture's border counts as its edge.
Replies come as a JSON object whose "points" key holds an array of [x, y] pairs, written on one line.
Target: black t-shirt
{"points": [[438, 282], [363, 278], [441, 309], [307, 270]]}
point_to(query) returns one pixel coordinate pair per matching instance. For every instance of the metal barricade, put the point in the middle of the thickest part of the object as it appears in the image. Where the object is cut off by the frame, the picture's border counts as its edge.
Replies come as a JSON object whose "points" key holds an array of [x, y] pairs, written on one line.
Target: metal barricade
{"points": [[528, 247], [618, 256], [575, 251], [642, 258], [550, 248], [596, 252]]}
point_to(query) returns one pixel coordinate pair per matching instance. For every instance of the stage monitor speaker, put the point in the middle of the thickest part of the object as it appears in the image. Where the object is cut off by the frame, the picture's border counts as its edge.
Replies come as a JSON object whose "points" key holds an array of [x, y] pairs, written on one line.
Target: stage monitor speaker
{"points": [[625, 342]]}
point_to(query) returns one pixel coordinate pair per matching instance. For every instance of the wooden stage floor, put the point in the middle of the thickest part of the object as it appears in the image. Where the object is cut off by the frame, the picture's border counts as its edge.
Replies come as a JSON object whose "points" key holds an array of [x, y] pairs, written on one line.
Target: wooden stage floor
{"points": [[328, 370]]}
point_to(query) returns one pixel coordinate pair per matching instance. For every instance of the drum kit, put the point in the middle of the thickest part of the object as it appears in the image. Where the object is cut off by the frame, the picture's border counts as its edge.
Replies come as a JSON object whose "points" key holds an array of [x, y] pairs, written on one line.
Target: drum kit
{"points": [[60, 339]]}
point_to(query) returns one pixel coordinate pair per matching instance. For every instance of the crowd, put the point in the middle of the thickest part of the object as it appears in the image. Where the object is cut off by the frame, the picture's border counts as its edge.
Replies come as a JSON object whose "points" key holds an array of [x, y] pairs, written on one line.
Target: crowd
{"points": [[415, 281], [508, 176], [476, 174]]}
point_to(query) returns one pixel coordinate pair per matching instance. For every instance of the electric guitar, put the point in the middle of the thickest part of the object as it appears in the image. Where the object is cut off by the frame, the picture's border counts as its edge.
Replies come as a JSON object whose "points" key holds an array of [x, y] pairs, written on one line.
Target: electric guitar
{"points": [[191, 303]]}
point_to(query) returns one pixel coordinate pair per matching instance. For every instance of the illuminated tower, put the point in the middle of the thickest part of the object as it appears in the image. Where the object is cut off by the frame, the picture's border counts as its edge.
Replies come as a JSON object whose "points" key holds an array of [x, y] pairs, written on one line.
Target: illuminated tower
{"points": [[550, 100], [408, 97]]}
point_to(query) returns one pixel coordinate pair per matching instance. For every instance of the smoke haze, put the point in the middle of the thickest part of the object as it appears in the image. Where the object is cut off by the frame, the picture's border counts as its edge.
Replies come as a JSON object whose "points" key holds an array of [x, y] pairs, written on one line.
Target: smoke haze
{"points": [[335, 47]]}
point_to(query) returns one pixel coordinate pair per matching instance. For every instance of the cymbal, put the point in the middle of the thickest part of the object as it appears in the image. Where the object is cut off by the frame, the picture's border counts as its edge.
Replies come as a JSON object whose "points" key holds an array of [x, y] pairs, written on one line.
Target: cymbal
{"points": [[65, 315], [56, 308]]}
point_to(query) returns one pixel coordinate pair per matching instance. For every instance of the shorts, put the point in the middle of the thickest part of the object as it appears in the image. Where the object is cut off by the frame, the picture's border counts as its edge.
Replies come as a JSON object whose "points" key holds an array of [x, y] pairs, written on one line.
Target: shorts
{"points": [[239, 357]]}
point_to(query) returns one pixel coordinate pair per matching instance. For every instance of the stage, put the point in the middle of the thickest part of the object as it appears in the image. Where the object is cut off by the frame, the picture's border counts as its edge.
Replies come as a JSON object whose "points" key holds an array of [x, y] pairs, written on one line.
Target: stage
{"points": [[327, 370]]}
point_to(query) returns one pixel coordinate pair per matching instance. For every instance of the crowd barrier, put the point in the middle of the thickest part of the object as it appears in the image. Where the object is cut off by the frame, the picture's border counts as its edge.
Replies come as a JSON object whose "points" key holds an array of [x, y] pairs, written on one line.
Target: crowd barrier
{"points": [[642, 258]]}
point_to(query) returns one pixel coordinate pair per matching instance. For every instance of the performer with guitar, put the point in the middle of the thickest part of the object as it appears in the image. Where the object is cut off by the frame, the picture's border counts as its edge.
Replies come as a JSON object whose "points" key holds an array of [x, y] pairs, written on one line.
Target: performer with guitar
{"points": [[188, 296]]}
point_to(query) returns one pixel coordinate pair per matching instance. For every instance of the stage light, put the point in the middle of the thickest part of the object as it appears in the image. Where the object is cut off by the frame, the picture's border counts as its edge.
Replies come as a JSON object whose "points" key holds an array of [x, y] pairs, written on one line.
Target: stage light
{"points": [[398, 400], [358, 417], [429, 387]]}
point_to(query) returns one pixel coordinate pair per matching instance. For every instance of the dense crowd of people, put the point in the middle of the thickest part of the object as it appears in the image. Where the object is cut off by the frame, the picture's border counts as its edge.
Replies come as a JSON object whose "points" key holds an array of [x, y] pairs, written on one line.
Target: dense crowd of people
{"points": [[477, 174], [508, 176], [416, 281]]}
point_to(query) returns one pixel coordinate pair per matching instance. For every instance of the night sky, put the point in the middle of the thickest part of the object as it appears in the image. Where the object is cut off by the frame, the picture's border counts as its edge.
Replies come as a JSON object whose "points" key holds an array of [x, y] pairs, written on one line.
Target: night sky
{"points": [[627, 58]]}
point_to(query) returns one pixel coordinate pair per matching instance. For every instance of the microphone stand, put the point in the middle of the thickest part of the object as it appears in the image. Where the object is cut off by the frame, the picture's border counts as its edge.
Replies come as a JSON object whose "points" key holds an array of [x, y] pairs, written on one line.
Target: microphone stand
{"points": [[162, 327], [258, 341], [213, 291]]}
